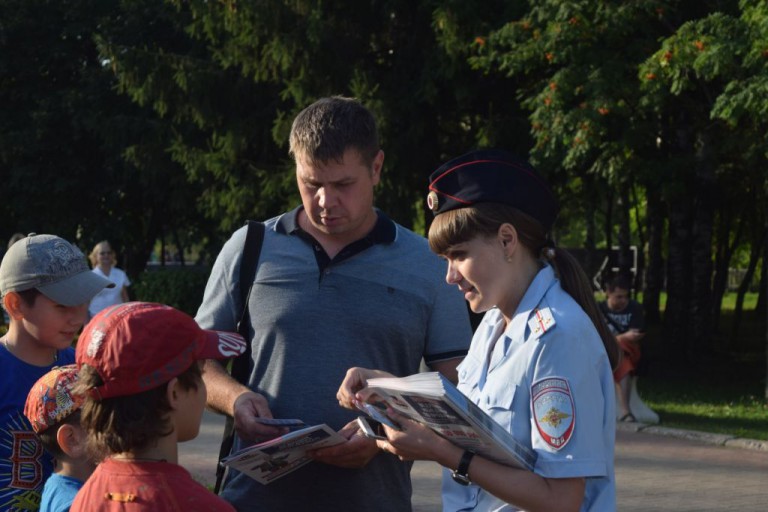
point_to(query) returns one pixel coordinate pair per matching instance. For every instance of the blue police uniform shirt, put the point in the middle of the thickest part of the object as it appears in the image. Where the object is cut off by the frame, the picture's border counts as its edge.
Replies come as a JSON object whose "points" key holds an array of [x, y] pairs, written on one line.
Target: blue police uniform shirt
{"points": [[546, 378]]}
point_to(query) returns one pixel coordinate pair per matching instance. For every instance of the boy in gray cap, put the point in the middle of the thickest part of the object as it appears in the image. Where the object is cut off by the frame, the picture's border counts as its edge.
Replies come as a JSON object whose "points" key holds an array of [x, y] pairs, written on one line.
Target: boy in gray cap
{"points": [[46, 286]]}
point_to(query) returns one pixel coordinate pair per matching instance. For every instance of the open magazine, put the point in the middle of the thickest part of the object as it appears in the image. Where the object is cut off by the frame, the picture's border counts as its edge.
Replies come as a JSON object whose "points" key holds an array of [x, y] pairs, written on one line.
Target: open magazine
{"points": [[431, 399], [266, 462]]}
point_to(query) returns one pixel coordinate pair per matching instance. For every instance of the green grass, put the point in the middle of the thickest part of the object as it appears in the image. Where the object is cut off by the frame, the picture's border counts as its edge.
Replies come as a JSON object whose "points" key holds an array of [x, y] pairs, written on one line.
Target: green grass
{"points": [[709, 403]]}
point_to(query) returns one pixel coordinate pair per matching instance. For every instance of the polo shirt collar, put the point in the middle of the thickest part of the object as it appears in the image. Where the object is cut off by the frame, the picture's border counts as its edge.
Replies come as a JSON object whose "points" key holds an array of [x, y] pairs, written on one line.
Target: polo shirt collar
{"points": [[383, 232]]}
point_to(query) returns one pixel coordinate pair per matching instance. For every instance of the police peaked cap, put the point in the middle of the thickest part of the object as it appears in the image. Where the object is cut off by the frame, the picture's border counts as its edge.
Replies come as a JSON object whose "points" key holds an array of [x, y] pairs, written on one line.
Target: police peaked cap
{"points": [[492, 176]]}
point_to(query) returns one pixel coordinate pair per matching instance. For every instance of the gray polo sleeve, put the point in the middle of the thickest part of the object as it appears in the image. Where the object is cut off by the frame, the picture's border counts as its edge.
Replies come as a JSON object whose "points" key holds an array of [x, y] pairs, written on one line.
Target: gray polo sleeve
{"points": [[221, 306]]}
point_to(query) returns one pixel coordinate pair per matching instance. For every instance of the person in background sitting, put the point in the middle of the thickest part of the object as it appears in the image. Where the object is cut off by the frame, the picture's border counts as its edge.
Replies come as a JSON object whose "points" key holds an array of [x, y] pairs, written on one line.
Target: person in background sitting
{"points": [[624, 317]]}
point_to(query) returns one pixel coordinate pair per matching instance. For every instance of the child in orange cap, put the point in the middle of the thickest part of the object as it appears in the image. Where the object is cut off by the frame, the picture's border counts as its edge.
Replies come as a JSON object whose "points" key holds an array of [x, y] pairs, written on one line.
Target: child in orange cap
{"points": [[53, 410]]}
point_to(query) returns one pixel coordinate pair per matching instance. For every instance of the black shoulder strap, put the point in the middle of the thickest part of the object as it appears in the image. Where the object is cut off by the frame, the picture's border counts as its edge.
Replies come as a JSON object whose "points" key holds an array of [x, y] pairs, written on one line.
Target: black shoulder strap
{"points": [[249, 261], [254, 239]]}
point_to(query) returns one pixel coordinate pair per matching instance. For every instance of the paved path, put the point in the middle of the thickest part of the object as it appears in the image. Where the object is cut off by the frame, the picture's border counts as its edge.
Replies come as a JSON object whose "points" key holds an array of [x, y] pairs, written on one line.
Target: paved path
{"points": [[659, 471]]}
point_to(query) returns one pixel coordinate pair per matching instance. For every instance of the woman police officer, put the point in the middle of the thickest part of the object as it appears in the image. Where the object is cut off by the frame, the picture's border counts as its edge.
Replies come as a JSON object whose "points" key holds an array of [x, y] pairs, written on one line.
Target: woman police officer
{"points": [[540, 361]]}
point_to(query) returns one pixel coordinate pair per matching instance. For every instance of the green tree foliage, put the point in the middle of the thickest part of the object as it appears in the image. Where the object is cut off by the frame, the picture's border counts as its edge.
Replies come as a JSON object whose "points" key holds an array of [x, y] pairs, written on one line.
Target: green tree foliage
{"points": [[583, 98], [76, 158], [268, 60], [689, 81], [623, 100]]}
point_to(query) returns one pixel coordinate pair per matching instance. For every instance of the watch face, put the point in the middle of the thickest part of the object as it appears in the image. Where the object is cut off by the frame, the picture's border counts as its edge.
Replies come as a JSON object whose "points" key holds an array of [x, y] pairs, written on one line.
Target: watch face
{"points": [[460, 479]]}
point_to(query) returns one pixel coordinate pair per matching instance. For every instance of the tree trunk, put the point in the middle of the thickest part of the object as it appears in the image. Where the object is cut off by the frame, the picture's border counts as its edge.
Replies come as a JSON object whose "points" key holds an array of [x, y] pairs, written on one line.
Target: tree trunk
{"points": [[763, 293], [677, 311], [654, 271], [677, 314], [754, 258], [762, 296], [608, 233], [724, 249], [700, 336], [626, 260], [162, 248], [179, 246], [592, 259], [641, 242]]}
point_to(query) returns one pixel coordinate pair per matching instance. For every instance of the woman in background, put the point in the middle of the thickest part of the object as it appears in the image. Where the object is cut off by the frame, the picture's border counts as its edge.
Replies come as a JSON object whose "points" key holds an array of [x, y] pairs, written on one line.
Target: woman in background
{"points": [[103, 261]]}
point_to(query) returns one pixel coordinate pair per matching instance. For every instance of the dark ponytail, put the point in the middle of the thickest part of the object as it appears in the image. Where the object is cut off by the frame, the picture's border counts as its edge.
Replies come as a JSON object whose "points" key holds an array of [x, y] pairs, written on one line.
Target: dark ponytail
{"points": [[575, 282]]}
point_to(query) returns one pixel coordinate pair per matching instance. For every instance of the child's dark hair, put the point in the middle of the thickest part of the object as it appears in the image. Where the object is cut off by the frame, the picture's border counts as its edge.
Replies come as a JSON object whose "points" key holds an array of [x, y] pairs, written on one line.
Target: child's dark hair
{"points": [[484, 219], [28, 296], [618, 281], [128, 423], [48, 436]]}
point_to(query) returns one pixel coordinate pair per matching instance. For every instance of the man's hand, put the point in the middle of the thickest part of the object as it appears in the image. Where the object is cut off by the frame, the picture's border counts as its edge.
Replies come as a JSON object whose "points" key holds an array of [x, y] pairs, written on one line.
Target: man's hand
{"points": [[250, 405], [355, 453]]}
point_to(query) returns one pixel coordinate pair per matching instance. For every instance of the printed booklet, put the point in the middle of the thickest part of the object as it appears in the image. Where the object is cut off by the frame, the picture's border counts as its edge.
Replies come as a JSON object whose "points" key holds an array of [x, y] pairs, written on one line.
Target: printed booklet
{"points": [[266, 462], [433, 400]]}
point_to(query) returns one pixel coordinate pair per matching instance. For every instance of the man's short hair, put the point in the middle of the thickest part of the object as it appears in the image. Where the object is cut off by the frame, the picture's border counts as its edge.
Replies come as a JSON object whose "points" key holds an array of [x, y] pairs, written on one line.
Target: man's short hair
{"points": [[323, 131]]}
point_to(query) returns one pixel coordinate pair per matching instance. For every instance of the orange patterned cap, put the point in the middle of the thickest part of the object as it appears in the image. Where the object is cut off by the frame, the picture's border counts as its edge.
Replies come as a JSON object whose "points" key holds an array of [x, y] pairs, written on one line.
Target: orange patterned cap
{"points": [[51, 399]]}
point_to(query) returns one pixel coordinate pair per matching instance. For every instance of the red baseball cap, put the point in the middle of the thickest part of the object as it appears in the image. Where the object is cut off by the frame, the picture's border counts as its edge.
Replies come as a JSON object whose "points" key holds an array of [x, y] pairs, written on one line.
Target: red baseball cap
{"points": [[138, 346]]}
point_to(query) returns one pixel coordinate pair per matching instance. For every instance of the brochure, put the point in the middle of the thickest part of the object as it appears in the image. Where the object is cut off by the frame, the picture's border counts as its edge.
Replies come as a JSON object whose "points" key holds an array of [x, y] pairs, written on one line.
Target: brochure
{"points": [[433, 400], [266, 462]]}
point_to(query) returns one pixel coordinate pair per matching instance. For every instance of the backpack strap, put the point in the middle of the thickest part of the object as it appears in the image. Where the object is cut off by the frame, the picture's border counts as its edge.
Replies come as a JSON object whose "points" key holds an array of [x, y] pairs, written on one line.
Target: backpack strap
{"points": [[254, 239]]}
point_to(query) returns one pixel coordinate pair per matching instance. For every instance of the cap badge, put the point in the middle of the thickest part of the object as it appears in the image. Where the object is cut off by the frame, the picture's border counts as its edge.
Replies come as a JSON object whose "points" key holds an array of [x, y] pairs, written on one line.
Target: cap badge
{"points": [[433, 201], [97, 337]]}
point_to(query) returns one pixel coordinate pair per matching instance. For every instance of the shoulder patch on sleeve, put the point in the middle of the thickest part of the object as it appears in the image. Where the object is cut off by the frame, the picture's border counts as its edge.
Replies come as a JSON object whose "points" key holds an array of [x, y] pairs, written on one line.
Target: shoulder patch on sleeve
{"points": [[541, 321], [553, 411]]}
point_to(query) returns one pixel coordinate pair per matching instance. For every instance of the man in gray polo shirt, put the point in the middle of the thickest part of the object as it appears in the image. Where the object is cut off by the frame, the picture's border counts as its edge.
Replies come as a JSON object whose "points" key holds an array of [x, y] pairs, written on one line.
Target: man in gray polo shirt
{"points": [[338, 285]]}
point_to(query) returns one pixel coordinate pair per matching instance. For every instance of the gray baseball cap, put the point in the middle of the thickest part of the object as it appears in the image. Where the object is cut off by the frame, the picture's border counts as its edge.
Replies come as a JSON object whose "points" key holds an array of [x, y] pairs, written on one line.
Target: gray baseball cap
{"points": [[54, 267]]}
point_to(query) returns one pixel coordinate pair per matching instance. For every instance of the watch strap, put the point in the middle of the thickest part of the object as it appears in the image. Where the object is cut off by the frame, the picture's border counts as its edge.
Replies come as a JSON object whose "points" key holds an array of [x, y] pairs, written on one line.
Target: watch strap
{"points": [[461, 475]]}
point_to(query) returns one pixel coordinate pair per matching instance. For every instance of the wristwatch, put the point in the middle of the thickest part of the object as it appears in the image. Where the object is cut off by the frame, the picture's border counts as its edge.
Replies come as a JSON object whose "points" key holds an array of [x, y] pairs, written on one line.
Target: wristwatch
{"points": [[461, 475]]}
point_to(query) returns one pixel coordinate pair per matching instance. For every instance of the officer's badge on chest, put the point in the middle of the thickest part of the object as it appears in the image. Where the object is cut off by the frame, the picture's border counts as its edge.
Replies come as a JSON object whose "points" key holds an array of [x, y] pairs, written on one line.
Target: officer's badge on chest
{"points": [[553, 410]]}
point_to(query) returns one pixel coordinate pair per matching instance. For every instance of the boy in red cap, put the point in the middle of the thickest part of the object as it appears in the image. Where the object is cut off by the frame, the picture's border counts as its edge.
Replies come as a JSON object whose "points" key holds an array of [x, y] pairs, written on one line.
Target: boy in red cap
{"points": [[140, 372], [53, 410]]}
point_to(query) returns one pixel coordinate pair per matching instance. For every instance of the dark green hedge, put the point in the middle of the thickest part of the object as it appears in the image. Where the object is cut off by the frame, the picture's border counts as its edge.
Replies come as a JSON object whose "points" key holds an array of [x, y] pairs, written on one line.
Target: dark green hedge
{"points": [[180, 287]]}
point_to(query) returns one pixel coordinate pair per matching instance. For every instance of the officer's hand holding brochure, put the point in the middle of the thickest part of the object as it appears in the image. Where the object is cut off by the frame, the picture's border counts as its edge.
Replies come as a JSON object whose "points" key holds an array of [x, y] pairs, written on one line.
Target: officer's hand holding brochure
{"points": [[431, 399], [266, 462]]}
